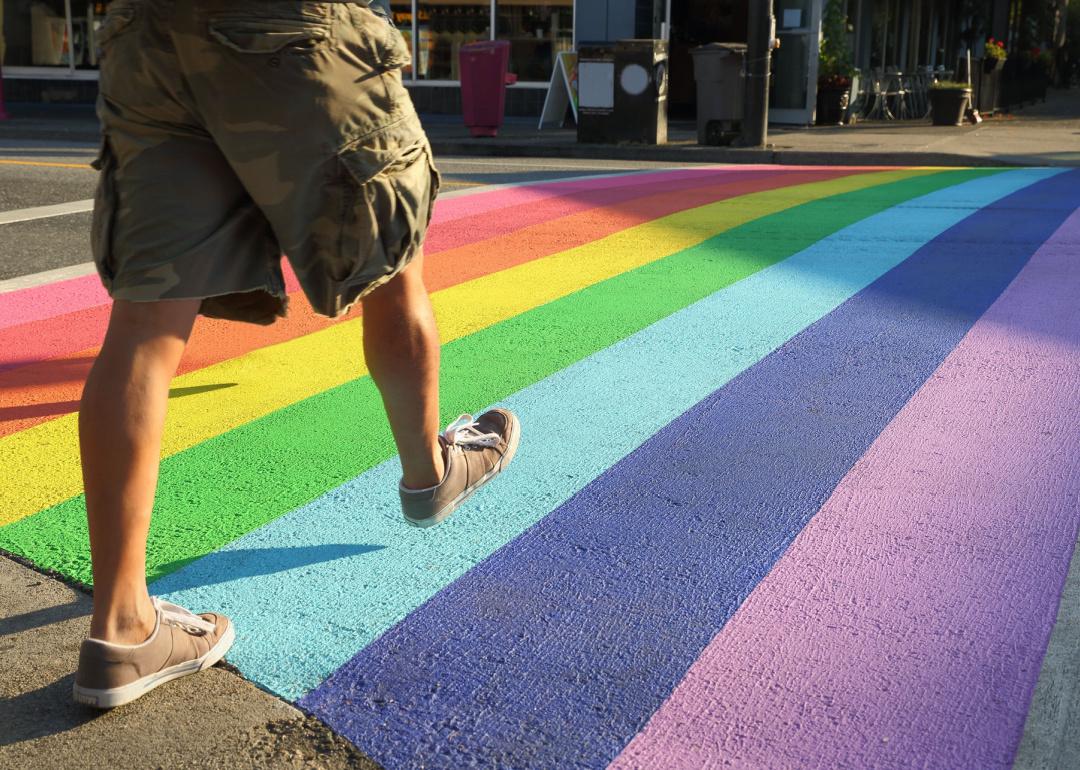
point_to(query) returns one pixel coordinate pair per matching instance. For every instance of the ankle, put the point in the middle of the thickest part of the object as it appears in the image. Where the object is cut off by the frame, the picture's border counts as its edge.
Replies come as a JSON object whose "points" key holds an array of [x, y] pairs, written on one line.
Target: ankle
{"points": [[132, 625], [430, 475]]}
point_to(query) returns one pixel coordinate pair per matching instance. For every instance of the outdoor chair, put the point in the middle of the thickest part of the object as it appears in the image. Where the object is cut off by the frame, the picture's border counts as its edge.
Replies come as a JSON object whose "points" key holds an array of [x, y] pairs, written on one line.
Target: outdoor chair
{"points": [[897, 105]]}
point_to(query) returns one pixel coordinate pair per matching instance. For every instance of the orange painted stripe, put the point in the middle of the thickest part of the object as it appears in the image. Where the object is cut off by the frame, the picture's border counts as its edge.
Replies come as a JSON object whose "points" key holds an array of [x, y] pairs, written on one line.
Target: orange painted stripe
{"points": [[46, 390]]}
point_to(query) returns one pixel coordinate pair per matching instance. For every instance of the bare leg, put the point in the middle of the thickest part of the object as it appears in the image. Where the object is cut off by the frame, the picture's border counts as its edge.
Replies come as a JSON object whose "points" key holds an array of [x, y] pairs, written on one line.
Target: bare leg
{"points": [[120, 425], [401, 345]]}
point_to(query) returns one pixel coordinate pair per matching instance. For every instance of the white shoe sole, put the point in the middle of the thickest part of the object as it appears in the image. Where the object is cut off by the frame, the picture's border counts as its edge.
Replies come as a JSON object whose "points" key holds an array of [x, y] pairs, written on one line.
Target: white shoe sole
{"points": [[453, 505], [118, 696]]}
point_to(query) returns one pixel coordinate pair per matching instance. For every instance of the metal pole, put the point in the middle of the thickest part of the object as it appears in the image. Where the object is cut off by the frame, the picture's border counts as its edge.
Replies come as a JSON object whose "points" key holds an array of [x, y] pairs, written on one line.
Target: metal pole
{"points": [[573, 26], [755, 126], [70, 37], [494, 11]]}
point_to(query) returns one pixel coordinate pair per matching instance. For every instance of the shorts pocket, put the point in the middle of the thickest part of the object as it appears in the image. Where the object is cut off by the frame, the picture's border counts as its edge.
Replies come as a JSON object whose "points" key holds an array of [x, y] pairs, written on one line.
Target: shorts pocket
{"points": [[387, 215], [254, 35], [387, 49], [104, 218]]}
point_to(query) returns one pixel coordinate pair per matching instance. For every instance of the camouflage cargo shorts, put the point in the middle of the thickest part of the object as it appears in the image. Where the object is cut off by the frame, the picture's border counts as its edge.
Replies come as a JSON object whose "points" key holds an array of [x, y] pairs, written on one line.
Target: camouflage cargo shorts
{"points": [[238, 130]]}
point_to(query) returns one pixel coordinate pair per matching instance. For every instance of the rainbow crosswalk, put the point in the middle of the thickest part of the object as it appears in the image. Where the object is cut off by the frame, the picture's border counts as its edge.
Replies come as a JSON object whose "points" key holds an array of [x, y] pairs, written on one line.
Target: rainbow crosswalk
{"points": [[794, 443]]}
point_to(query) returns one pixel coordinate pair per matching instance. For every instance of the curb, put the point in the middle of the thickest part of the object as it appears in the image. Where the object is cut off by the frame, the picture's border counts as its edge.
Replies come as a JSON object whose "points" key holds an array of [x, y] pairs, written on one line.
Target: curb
{"points": [[678, 153], [721, 155]]}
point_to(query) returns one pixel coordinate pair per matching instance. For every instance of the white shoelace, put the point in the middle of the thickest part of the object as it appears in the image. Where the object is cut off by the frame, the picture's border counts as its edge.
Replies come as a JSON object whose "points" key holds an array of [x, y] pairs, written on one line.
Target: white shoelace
{"points": [[175, 615], [464, 432]]}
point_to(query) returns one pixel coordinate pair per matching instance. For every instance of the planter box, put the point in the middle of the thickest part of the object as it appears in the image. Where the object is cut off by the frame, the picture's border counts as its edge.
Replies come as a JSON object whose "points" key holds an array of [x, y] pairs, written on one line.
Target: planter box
{"points": [[988, 88], [949, 105]]}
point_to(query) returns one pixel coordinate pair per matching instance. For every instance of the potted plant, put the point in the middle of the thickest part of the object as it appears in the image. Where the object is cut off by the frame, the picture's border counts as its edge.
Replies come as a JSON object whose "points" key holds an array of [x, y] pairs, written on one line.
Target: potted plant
{"points": [[994, 56], [949, 102], [835, 68]]}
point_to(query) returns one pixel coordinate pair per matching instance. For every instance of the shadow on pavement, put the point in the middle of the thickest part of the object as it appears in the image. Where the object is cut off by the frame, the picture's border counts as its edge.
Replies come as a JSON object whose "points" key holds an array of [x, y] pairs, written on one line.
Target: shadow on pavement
{"points": [[43, 712], [45, 616], [47, 710], [223, 566]]}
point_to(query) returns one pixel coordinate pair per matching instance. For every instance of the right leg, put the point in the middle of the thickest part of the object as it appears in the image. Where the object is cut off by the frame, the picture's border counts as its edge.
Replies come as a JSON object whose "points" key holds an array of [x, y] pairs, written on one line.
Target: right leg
{"points": [[401, 346]]}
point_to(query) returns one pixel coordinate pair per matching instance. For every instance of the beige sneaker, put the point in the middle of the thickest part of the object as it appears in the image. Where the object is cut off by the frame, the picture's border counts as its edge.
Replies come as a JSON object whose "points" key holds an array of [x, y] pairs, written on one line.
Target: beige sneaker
{"points": [[475, 452], [183, 643]]}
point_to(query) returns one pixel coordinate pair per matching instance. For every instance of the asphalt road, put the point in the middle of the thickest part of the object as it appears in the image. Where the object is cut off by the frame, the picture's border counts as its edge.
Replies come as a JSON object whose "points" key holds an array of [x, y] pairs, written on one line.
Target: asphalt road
{"points": [[36, 173]]}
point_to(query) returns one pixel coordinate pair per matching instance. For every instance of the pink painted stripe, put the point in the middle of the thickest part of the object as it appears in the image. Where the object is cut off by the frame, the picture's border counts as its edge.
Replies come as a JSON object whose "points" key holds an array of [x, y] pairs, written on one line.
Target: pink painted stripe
{"points": [[905, 626], [459, 221], [75, 330], [41, 302], [63, 298]]}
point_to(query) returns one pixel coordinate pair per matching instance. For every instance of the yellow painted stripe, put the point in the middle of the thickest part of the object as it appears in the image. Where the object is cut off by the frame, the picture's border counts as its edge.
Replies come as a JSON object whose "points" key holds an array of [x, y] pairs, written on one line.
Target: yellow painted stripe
{"points": [[47, 164], [41, 464]]}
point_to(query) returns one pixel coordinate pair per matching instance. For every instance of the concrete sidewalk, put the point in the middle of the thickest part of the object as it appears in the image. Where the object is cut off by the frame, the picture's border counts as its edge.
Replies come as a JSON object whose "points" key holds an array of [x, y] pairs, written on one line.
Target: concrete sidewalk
{"points": [[1045, 134], [216, 719]]}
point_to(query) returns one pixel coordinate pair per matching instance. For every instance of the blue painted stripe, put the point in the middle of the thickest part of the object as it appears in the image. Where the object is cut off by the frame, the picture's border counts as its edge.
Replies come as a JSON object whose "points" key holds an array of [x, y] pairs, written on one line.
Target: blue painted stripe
{"points": [[298, 623], [557, 650]]}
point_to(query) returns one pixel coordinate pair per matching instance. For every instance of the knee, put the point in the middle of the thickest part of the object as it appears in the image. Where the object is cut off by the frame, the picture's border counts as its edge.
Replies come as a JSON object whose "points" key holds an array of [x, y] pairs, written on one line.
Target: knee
{"points": [[138, 322]]}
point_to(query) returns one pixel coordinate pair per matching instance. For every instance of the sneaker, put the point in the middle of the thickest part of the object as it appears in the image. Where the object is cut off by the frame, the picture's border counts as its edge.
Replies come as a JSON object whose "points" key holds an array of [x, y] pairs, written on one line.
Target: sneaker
{"points": [[183, 643], [475, 452]]}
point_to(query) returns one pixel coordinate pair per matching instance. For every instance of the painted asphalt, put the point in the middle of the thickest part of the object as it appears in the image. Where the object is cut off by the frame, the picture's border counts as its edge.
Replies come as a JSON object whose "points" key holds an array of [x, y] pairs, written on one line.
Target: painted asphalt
{"points": [[797, 485]]}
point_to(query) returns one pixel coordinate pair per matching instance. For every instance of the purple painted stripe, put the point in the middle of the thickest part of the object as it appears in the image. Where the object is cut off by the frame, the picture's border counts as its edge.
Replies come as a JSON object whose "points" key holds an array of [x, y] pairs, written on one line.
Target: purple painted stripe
{"points": [[556, 650], [906, 625]]}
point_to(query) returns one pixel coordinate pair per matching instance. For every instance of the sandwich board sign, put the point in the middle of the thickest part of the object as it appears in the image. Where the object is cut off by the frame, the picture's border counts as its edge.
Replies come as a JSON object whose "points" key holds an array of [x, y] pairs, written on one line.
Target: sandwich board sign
{"points": [[562, 91]]}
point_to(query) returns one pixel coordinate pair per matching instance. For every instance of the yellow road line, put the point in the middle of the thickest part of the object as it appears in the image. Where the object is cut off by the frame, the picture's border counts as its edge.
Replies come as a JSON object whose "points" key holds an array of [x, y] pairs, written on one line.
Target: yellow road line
{"points": [[47, 164], [41, 464]]}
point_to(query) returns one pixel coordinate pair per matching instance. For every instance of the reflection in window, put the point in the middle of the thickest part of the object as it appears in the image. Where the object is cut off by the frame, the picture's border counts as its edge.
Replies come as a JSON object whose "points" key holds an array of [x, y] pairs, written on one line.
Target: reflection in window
{"points": [[444, 27], [536, 31], [35, 33]]}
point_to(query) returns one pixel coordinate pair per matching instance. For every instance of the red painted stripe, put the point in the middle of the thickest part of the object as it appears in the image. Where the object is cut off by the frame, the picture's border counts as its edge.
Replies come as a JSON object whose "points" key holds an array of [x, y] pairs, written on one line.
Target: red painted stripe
{"points": [[43, 390], [63, 297], [67, 333]]}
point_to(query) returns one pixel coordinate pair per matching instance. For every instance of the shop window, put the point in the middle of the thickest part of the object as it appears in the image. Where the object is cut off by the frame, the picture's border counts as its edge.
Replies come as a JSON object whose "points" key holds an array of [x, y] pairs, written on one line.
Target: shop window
{"points": [[35, 33], [403, 20], [537, 32], [442, 28]]}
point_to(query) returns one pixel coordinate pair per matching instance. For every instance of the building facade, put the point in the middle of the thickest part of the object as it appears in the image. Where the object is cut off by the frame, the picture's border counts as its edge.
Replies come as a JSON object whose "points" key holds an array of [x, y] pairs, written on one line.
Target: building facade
{"points": [[48, 46]]}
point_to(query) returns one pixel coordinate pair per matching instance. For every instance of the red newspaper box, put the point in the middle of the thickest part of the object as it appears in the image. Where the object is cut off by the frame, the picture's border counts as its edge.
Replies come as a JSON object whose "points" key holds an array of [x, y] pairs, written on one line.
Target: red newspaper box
{"points": [[483, 85]]}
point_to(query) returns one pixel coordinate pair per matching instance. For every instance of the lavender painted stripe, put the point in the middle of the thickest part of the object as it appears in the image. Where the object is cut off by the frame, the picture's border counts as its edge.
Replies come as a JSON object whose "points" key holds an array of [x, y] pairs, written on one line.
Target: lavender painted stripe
{"points": [[372, 591], [906, 624], [557, 649]]}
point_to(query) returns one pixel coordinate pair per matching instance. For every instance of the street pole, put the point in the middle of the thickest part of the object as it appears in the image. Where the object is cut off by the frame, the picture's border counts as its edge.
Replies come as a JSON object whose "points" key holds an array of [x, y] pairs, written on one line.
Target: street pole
{"points": [[755, 126]]}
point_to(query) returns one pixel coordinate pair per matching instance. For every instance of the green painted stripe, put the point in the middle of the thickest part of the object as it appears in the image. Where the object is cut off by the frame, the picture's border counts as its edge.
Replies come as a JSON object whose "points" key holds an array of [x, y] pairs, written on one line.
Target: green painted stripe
{"points": [[234, 483]]}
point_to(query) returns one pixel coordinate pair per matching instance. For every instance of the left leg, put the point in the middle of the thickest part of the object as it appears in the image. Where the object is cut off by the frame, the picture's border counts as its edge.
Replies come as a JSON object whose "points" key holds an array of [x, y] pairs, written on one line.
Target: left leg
{"points": [[120, 425]]}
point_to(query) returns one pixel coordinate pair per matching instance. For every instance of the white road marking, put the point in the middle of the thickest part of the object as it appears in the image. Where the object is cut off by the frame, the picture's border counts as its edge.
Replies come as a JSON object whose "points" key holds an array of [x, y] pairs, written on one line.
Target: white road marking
{"points": [[87, 268], [49, 276], [44, 212]]}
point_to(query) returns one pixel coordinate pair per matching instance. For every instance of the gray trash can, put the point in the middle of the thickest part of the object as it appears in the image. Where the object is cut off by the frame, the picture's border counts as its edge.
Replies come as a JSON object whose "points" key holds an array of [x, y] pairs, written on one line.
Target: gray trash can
{"points": [[719, 69], [622, 92]]}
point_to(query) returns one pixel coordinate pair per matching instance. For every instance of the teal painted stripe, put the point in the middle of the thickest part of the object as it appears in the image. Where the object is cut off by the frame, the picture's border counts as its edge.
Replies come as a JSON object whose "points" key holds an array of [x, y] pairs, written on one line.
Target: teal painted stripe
{"points": [[310, 589]]}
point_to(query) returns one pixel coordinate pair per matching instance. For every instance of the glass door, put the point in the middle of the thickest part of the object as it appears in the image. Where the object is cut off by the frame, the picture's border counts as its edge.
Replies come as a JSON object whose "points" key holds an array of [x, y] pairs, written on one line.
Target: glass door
{"points": [[793, 91]]}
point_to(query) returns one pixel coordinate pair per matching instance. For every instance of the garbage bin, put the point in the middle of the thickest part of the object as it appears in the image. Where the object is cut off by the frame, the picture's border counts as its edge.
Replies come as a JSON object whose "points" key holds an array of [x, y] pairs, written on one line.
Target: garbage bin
{"points": [[622, 92], [719, 69], [483, 85]]}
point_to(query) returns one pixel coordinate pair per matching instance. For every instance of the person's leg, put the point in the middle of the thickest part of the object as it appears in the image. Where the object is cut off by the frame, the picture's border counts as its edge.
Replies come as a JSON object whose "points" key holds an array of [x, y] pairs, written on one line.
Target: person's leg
{"points": [[401, 345], [120, 425]]}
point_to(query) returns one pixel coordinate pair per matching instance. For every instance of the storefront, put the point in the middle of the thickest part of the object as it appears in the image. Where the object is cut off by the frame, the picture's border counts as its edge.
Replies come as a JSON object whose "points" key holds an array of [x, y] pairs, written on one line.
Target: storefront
{"points": [[53, 41]]}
